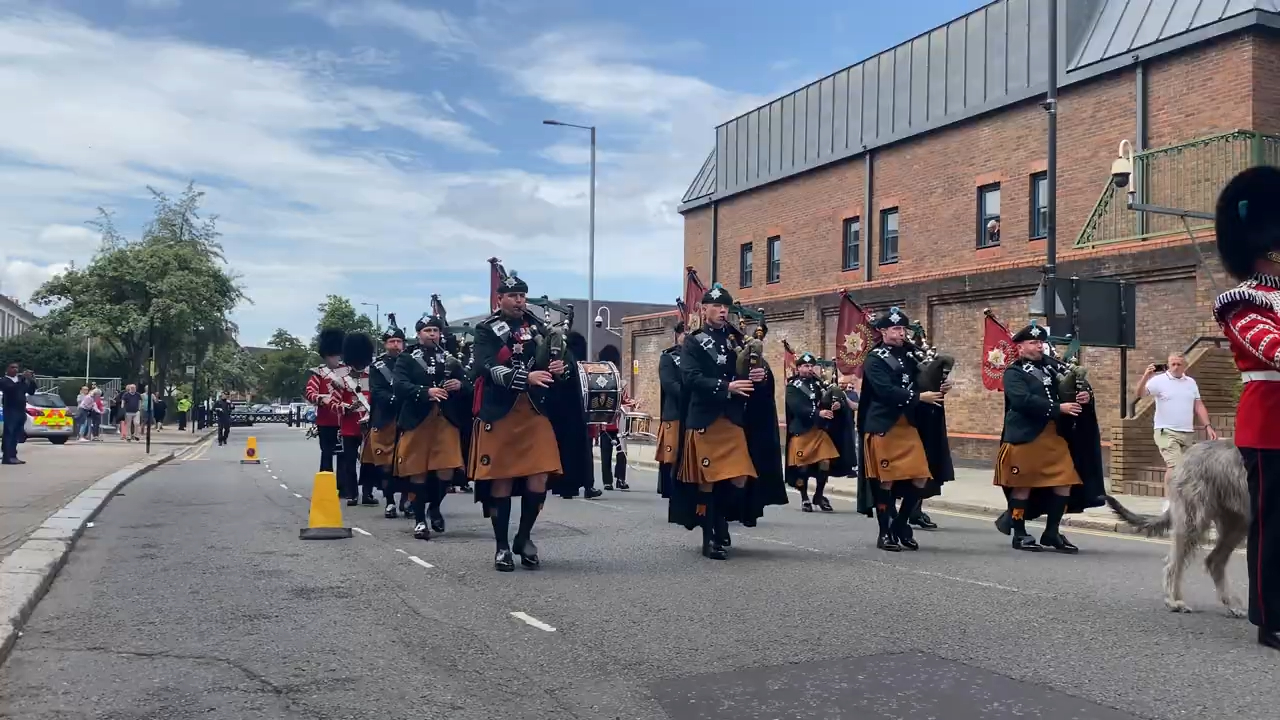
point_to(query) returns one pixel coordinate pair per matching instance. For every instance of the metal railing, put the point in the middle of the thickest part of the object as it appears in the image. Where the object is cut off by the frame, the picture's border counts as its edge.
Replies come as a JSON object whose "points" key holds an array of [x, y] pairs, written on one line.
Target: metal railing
{"points": [[1188, 176]]}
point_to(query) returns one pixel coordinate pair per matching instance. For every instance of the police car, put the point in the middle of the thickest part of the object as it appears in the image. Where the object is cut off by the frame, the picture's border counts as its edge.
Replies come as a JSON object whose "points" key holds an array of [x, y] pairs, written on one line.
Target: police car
{"points": [[48, 418]]}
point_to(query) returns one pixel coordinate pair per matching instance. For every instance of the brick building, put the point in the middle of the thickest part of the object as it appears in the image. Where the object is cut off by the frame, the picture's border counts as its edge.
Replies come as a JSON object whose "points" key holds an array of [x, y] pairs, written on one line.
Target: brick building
{"points": [[885, 178]]}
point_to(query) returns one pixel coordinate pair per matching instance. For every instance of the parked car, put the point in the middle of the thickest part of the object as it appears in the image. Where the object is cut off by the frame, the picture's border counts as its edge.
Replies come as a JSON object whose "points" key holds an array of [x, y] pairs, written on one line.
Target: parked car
{"points": [[49, 418]]}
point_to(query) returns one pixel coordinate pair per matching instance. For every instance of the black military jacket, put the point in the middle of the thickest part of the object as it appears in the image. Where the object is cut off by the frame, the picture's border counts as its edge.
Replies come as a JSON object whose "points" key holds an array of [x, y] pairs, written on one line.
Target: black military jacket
{"points": [[803, 396], [888, 388], [669, 380], [504, 354], [1030, 399], [412, 380], [382, 392], [708, 362]]}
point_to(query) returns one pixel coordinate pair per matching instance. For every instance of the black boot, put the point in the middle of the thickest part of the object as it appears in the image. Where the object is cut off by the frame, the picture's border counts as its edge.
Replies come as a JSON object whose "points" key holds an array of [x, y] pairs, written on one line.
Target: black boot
{"points": [[711, 547], [1052, 537], [1269, 638], [420, 529], [901, 526], [1017, 520], [819, 490], [620, 471], [435, 490], [530, 506], [500, 516], [800, 478], [920, 518], [884, 516]]}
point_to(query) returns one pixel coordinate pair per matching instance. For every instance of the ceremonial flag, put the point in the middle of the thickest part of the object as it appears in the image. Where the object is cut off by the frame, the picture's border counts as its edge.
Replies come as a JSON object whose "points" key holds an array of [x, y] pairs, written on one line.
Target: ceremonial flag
{"points": [[854, 336], [788, 360], [997, 351], [693, 291]]}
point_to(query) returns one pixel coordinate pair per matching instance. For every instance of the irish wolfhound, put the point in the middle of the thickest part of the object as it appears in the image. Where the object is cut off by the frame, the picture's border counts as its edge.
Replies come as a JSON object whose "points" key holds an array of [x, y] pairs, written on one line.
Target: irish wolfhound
{"points": [[1208, 489]]}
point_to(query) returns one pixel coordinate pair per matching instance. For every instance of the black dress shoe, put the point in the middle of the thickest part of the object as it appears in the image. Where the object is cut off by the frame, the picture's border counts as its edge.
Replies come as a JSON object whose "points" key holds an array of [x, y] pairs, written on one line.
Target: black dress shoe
{"points": [[1025, 542], [922, 520], [369, 500], [351, 502], [1059, 543], [1269, 638], [437, 521], [888, 542], [806, 506], [390, 512], [714, 551], [608, 486], [527, 551], [909, 543], [823, 503], [590, 493], [504, 562], [421, 532], [622, 485]]}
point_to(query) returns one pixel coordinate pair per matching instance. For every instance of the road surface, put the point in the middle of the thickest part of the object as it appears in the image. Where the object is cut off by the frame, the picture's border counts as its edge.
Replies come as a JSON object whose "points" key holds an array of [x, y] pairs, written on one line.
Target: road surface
{"points": [[192, 597]]}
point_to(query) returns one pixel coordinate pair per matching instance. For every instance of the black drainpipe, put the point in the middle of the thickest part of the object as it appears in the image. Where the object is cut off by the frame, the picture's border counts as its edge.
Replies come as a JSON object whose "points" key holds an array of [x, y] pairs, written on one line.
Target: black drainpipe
{"points": [[1140, 138], [715, 241]]}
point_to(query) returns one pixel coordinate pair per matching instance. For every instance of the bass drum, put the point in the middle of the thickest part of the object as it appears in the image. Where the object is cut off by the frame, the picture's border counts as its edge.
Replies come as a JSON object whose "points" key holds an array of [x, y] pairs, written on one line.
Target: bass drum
{"points": [[601, 391]]}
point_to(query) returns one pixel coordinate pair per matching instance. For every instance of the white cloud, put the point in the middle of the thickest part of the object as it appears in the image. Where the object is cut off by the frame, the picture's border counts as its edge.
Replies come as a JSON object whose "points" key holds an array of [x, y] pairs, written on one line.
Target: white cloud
{"points": [[475, 107], [437, 27], [19, 278]]}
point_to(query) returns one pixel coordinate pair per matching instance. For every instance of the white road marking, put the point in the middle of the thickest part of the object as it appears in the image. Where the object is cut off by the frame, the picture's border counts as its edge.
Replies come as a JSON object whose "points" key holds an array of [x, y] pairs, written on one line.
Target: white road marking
{"points": [[362, 532], [286, 487], [533, 621], [297, 496], [273, 477], [89, 525], [420, 561], [401, 551]]}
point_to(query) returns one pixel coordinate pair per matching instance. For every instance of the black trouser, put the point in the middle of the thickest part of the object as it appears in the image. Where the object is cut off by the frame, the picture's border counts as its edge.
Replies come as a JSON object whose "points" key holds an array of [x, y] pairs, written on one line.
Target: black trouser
{"points": [[1264, 536], [370, 478], [224, 431], [328, 446], [182, 421], [13, 428], [348, 461], [608, 468]]}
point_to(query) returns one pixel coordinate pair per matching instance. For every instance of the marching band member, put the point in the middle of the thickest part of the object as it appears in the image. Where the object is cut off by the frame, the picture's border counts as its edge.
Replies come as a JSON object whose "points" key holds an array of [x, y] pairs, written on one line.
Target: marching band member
{"points": [[515, 447], [729, 460], [380, 448], [1050, 457], [608, 435], [570, 446], [326, 395], [811, 448], [357, 355], [1248, 229], [894, 461], [670, 402], [434, 398]]}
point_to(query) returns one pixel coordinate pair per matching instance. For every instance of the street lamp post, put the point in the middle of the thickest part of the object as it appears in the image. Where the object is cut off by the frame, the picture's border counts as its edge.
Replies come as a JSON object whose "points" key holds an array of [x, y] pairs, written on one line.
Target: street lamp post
{"points": [[377, 312], [604, 319], [591, 231]]}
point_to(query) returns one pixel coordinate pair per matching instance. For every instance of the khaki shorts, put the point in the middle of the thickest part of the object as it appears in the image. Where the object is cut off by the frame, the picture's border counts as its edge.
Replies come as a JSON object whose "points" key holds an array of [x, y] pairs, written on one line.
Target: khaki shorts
{"points": [[1172, 444]]}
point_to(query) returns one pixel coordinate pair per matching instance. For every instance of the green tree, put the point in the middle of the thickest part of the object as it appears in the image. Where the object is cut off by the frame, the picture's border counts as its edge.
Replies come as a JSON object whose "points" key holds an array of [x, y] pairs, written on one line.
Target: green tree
{"points": [[284, 373], [61, 355], [169, 290], [282, 340], [227, 367], [338, 312]]}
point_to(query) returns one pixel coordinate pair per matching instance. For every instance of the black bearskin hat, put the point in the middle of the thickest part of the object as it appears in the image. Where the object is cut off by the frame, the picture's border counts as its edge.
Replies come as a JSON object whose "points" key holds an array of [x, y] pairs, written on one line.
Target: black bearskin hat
{"points": [[576, 342], [610, 353], [357, 350], [1248, 219], [330, 342]]}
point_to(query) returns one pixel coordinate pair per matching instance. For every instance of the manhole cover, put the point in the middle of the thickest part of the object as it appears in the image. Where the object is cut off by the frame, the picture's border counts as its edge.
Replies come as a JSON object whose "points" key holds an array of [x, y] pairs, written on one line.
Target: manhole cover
{"points": [[877, 687]]}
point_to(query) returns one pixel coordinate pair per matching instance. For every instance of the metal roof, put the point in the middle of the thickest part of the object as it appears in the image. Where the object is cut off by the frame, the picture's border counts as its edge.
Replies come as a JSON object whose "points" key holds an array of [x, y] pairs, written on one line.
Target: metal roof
{"points": [[988, 59], [1122, 26]]}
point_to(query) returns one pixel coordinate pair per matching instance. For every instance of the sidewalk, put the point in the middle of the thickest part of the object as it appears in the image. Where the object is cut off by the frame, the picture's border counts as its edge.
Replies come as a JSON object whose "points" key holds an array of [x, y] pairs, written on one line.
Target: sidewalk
{"points": [[54, 474], [971, 492]]}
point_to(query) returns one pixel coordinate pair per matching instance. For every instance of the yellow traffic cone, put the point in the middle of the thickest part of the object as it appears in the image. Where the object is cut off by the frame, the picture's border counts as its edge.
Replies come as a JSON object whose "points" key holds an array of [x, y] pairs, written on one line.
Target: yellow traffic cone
{"points": [[250, 452], [325, 522]]}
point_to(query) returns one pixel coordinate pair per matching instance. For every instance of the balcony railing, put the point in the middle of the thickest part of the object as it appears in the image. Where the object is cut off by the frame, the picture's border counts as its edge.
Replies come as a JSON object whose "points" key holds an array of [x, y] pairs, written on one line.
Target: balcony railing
{"points": [[1187, 177]]}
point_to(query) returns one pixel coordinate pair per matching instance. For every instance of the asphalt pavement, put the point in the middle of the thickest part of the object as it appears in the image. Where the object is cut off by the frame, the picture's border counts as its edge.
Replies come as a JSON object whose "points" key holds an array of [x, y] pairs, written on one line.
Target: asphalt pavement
{"points": [[192, 596]]}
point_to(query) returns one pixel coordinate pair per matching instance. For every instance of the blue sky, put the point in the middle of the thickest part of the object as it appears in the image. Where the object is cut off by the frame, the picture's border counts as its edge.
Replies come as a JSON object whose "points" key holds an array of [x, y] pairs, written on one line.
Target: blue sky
{"points": [[383, 149]]}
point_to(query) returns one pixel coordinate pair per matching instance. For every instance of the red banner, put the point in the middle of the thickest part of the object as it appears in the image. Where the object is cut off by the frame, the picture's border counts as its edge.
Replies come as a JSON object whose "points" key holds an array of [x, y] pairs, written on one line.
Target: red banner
{"points": [[693, 292], [495, 279], [788, 360], [998, 351], [854, 336]]}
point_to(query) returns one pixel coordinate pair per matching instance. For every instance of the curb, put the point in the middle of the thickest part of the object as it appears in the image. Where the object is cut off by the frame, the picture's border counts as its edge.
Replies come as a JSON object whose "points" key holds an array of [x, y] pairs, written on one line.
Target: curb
{"points": [[940, 503], [28, 572]]}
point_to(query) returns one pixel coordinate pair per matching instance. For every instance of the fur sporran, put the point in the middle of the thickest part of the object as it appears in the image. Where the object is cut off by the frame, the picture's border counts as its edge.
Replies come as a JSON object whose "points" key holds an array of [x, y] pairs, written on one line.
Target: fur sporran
{"points": [[550, 348], [750, 357]]}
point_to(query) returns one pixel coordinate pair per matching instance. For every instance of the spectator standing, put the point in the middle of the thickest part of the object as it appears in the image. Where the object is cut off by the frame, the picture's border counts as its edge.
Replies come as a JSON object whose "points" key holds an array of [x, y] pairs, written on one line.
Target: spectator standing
{"points": [[85, 409], [161, 409], [80, 415], [130, 405], [1178, 406], [184, 408], [98, 409], [14, 389]]}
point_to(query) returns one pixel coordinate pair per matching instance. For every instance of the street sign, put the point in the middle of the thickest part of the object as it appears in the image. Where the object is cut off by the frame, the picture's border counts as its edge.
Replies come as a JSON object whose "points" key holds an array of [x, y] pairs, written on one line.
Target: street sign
{"points": [[191, 371], [635, 367]]}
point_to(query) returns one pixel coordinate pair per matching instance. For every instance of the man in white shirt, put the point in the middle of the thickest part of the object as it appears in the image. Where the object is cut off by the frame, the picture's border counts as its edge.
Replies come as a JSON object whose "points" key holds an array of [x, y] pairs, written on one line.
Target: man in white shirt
{"points": [[1178, 406]]}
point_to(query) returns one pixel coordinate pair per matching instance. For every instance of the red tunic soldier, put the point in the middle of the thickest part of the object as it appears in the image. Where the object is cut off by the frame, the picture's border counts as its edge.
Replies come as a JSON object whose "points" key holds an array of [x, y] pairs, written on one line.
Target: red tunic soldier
{"points": [[1248, 229]]}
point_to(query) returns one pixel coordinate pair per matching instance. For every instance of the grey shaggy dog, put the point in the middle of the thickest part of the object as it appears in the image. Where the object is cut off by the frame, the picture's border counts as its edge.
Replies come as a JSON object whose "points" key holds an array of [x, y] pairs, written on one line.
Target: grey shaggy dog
{"points": [[1208, 489]]}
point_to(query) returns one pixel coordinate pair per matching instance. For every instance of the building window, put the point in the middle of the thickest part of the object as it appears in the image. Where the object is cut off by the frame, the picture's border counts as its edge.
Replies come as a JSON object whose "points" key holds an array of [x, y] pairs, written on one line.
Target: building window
{"points": [[744, 265], [775, 259], [852, 243], [989, 215], [1040, 205], [889, 236]]}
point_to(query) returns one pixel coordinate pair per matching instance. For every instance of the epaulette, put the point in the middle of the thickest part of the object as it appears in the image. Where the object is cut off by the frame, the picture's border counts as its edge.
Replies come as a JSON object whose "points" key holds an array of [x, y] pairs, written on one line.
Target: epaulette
{"points": [[1247, 292], [489, 320], [671, 350]]}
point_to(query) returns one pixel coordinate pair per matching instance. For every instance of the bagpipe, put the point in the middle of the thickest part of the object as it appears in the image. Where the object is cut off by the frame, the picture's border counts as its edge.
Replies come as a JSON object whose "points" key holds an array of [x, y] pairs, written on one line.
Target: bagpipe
{"points": [[1072, 376], [935, 366]]}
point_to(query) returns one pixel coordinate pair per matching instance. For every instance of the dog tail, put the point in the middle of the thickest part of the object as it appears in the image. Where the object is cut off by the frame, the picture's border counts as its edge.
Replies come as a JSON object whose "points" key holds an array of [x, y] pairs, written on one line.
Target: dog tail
{"points": [[1152, 526]]}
